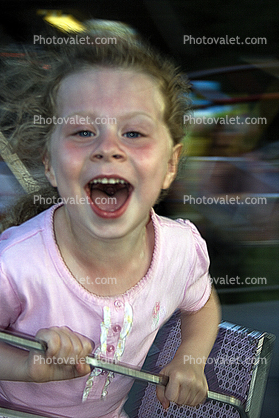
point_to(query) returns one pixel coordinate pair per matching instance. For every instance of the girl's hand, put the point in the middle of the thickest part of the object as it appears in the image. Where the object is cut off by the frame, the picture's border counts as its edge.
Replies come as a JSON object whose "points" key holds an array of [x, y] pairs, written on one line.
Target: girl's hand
{"points": [[187, 384], [64, 359]]}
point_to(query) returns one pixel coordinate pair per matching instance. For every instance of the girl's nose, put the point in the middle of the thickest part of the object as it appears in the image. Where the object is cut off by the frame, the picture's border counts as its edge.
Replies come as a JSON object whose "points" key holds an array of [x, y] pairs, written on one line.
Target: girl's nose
{"points": [[108, 147]]}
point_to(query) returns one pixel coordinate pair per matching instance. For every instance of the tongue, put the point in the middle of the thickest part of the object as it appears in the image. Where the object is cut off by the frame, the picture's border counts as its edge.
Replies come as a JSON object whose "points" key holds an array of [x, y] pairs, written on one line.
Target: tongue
{"points": [[107, 202]]}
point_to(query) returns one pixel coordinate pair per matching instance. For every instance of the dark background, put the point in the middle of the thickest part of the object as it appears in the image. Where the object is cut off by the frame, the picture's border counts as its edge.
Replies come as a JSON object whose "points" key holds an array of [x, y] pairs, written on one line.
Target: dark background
{"points": [[164, 23]]}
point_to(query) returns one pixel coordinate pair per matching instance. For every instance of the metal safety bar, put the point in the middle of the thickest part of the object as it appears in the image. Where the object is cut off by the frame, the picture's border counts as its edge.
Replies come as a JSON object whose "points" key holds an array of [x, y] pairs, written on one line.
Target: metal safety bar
{"points": [[30, 343]]}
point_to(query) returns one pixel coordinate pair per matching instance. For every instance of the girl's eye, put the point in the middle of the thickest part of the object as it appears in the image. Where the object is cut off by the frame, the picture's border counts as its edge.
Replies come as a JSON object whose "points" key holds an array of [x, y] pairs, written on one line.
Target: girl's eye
{"points": [[85, 134], [133, 134]]}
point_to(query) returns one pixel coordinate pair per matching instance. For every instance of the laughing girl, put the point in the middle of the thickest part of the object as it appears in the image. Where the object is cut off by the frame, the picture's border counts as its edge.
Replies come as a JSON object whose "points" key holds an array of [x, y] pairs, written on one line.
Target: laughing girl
{"points": [[110, 147]]}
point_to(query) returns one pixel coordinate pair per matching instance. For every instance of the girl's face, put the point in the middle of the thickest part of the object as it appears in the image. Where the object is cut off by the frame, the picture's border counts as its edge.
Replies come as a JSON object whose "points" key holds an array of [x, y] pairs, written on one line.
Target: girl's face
{"points": [[111, 152]]}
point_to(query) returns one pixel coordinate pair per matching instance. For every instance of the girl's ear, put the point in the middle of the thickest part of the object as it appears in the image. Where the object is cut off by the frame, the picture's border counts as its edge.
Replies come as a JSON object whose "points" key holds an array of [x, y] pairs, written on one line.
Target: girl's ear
{"points": [[49, 172], [172, 166]]}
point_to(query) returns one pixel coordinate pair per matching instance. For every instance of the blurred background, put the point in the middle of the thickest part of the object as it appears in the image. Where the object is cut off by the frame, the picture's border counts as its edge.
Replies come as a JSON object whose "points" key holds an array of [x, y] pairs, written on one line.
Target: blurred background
{"points": [[228, 182]]}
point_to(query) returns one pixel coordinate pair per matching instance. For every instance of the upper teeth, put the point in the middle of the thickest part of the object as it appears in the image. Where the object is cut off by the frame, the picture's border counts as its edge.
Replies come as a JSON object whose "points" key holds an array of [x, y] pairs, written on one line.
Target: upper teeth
{"points": [[107, 181]]}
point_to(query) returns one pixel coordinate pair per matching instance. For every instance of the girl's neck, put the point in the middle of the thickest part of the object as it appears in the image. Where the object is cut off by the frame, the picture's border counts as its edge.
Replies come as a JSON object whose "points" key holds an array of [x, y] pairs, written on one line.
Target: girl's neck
{"points": [[125, 260]]}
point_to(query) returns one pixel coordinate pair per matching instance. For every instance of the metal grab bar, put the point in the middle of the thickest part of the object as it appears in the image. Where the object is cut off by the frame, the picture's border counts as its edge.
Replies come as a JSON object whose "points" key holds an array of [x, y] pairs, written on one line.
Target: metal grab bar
{"points": [[30, 343]]}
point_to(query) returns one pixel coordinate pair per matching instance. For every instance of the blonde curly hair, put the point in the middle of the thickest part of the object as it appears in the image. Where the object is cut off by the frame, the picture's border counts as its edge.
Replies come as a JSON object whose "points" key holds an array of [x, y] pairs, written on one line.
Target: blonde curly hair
{"points": [[29, 87]]}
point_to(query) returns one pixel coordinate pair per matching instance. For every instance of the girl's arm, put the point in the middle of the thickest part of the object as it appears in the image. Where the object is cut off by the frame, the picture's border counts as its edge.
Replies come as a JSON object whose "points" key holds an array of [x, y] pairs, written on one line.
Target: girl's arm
{"points": [[187, 382], [64, 359]]}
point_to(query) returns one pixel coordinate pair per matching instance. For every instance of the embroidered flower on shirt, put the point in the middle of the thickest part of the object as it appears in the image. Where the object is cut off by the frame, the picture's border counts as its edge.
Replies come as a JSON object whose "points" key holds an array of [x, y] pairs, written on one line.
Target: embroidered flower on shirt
{"points": [[155, 315], [158, 313]]}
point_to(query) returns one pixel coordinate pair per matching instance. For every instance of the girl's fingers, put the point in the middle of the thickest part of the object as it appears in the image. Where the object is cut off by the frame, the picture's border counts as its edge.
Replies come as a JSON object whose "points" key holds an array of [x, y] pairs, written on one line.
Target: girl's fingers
{"points": [[161, 396], [192, 395], [64, 344], [183, 390], [172, 390], [169, 393]]}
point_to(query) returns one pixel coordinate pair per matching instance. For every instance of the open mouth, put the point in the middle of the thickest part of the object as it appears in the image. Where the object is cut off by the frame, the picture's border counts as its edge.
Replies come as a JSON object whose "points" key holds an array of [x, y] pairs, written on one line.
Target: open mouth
{"points": [[109, 194]]}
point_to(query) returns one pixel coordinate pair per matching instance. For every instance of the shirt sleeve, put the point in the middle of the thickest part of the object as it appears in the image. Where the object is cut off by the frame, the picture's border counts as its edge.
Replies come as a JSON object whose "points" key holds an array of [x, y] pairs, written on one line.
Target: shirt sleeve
{"points": [[198, 284], [9, 301]]}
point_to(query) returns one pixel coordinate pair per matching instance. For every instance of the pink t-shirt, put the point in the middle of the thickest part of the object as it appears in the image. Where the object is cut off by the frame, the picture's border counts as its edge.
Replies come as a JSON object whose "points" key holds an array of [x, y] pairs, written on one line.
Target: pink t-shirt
{"points": [[38, 291]]}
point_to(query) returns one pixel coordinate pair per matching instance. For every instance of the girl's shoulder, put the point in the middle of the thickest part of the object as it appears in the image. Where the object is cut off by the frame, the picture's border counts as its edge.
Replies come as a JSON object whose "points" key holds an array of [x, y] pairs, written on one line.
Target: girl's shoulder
{"points": [[179, 237], [176, 228], [22, 235]]}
